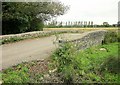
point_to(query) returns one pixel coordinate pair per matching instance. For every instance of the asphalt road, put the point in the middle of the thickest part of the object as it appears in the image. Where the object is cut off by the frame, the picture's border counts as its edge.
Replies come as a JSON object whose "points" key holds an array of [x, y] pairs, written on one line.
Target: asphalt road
{"points": [[32, 49]]}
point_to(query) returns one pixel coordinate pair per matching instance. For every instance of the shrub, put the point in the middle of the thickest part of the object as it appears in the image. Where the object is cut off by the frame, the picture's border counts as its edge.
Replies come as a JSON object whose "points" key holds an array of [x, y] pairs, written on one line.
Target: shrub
{"points": [[14, 26], [64, 60], [110, 37], [36, 25], [111, 64], [118, 35]]}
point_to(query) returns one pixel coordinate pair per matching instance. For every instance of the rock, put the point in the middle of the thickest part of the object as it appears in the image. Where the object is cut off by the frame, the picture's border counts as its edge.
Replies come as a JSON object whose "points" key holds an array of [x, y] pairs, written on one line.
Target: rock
{"points": [[102, 49], [1, 82], [52, 71], [41, 78], [46, 76]]}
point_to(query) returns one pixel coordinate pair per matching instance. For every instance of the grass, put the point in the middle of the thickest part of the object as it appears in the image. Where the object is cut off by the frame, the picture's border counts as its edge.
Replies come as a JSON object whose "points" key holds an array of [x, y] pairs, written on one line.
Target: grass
{"points": [[91, 65], [18, 74], [27, 72], [100, 66]]}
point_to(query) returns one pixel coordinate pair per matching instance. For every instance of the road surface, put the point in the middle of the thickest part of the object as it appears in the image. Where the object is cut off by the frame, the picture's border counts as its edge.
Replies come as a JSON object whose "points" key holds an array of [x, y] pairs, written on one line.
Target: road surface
{"points": [[27, 50]]}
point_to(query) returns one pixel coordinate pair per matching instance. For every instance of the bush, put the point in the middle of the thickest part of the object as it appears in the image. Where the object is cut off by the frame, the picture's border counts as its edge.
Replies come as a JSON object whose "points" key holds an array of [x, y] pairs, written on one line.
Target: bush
{"points": [[118, 35], [36, 25], [14, 26], [64, 60], [110, 37], [111, 64]]}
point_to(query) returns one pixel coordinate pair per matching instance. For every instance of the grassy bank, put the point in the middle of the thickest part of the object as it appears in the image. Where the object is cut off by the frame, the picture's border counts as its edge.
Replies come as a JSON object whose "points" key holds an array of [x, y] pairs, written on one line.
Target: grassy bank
{"points": [[93, 65]]}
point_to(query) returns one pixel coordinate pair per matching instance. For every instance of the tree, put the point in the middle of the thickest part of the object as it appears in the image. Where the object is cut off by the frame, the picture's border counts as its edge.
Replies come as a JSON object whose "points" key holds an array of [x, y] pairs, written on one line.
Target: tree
{"points": [[29, 16], [105, 24]]}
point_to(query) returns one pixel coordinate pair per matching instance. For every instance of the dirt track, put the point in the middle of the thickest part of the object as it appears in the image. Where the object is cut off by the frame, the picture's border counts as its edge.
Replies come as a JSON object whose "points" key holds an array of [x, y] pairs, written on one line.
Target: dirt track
{"points": [[33, 49], [27, 50]]}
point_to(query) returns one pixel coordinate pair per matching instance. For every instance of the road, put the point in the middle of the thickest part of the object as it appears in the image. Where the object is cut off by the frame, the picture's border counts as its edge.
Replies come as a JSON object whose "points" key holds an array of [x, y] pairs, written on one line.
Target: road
{"points": [[27, 50]]}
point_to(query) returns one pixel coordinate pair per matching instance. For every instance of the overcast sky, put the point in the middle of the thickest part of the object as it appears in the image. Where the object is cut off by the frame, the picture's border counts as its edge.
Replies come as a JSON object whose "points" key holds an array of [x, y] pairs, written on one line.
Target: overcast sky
{"points": [[97, 11]]}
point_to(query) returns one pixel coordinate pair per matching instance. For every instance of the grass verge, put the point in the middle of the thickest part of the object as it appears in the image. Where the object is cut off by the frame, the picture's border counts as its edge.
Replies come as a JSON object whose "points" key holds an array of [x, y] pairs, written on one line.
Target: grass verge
{"points": [[93, 65]]}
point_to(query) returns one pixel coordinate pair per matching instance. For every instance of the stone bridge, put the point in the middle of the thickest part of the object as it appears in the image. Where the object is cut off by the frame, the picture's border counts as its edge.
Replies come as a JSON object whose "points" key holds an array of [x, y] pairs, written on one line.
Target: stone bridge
{"points": [[85, 40]]}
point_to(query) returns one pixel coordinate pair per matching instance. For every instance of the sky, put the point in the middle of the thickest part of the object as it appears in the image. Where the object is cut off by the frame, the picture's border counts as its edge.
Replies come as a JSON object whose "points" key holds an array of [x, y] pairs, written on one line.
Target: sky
{"points": [[98, 11]]}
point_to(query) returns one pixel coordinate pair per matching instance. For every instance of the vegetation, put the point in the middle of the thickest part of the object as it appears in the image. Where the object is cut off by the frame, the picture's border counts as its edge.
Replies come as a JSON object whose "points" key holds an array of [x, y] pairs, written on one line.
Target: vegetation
{"points": [[77, 24], [27, 72], [111, 37], [93, 65], [90, 65], [18, 17], [19, 75]]}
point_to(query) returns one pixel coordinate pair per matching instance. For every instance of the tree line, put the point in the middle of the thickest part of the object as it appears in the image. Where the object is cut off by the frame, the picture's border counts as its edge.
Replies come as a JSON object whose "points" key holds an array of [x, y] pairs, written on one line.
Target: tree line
{"points": [[56, 24]]}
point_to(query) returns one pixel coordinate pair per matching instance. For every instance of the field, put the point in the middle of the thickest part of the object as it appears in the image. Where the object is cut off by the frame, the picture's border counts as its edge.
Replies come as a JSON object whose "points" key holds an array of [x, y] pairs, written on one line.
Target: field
{"points": [[80, 29]]}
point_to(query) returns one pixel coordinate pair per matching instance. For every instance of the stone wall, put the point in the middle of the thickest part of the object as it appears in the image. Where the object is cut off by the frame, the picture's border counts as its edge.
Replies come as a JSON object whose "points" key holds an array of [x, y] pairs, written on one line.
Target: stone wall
{"points": [[26, 35], [36, 34], [89, 39]]}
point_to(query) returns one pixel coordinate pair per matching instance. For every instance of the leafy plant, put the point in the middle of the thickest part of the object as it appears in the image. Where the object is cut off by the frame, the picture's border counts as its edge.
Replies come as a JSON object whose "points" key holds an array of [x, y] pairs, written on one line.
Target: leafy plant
{"points": [[64, 60], [18, 76]]}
